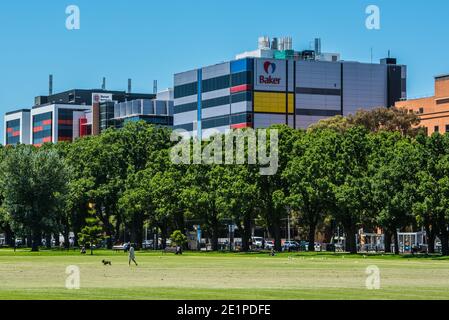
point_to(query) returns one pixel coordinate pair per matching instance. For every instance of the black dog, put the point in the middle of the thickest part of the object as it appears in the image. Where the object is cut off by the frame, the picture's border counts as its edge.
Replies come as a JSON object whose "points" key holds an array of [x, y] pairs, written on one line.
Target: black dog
{"points": [[105, 263]]}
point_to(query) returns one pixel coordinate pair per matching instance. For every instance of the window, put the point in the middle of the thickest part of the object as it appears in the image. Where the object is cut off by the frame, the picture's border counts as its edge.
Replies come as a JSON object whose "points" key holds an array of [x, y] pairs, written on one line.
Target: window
{"points": [[186, 107], [42, 128], [216, 83], [13, 132], [421, 110], [436, 129], [215, 122], [241, 78], [241, 118], [243, 96], [221, 101], [186, 90], [447, 128]]}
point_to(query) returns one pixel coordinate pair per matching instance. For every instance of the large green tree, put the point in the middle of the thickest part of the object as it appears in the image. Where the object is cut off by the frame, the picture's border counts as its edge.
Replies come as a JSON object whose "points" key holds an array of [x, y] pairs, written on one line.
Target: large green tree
{"points": [[34, 182], [396, 163], [309, 176]]}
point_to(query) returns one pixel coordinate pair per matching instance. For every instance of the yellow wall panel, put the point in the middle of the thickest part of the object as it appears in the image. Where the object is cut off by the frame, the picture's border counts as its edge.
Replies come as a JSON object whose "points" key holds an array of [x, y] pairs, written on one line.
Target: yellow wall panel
{"points": [[269, 102]]}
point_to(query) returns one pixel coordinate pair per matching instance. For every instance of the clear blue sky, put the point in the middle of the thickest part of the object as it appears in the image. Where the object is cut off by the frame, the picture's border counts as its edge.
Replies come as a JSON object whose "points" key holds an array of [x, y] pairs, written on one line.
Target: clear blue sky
{"points": [[152, 39]]}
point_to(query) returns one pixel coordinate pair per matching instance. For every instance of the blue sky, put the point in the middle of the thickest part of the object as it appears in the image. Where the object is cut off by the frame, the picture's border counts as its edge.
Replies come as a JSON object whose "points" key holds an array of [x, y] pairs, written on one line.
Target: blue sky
{"points": [[152, 39]]}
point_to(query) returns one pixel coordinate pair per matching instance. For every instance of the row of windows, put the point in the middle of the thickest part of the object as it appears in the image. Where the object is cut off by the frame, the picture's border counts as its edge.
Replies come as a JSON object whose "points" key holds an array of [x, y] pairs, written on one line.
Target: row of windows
{"points": [[218, 83], [215, 122], [186, 90], [241, 118], [14, 124], [186, 107], [65, 114], [41, 134], [12, 140], [219, 121], [241, 78], [65, 130], [221, 101], [242, 96], [42, 117], [214, 84], [187, 127], [437, 128]]}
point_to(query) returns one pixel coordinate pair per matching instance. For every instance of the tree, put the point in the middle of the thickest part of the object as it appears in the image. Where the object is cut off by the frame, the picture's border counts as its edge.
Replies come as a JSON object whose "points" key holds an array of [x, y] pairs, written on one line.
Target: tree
{"points": [[309, 176], [351, 183], [387, 119], [430, 208], [92, 234], [375, 120], [178, 238], [394, 182], [34, 182]]}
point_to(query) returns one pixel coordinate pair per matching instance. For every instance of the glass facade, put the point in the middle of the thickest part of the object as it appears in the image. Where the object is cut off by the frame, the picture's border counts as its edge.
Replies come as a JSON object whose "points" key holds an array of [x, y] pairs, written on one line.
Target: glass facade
{"points": [[42, 128], [106, 115], [186, 90], [65, 125], [13, 132]]}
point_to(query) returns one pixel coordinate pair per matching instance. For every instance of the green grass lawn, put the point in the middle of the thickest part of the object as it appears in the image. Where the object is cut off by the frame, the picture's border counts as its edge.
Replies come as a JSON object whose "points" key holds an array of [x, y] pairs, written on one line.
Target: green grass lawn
{"points": [[25, 275]]}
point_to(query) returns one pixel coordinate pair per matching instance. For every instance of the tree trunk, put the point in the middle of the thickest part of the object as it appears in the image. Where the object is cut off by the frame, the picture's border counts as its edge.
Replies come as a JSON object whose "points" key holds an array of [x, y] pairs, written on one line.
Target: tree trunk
{"points": [[431, 236], [9, 236], [277, 237], [66, 238], [246, 234], [396, 243], [312, 231], [214, 237], [444, 237], [48, 240], [29, 241], [351, 243], [163, 236], [57, 241], [139, 233], [387, 241], [36, 241], [118, 223]]}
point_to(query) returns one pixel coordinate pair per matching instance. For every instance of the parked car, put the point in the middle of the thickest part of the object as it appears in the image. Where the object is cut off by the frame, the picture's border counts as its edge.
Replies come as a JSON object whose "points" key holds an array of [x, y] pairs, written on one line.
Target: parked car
{"points": [[147, 244], [269, 245], [257, 241], [290, 246]]}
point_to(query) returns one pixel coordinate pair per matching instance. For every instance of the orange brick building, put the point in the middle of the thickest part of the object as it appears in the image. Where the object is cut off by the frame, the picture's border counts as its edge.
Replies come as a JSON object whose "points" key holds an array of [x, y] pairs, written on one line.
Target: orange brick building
{"points": [[433, 111]]}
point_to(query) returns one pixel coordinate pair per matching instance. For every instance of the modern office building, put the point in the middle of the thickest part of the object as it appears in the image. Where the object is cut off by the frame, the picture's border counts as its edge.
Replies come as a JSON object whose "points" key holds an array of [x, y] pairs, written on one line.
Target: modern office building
{"points": [[55, 122], [17, 127], [276, 85], [154, 109], [75, 113], [433, 111]]}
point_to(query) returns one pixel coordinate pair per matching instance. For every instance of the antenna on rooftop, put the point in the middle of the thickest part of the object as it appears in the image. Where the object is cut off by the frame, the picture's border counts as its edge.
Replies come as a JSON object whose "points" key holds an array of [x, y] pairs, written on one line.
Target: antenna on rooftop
{"points": [[103, 85], [155, 86], [50, 85]]}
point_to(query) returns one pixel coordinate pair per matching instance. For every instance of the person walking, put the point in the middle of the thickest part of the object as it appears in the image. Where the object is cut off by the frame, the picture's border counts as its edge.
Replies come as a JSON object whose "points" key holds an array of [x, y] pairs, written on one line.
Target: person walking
{"points": [[132, 255]]}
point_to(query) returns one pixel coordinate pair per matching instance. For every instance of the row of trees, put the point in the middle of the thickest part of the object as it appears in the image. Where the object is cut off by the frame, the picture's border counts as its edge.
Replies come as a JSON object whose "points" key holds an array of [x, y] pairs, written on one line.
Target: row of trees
{"points": [[367, 171]]}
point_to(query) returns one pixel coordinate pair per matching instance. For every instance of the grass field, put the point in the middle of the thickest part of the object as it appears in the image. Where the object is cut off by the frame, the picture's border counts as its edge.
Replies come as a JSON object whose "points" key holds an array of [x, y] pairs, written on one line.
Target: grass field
{"points": [[25, 275]]}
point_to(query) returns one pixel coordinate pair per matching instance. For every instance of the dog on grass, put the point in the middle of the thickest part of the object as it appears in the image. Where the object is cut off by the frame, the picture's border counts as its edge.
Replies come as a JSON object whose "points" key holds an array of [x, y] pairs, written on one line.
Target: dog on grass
{"points": [[106, 263]]}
